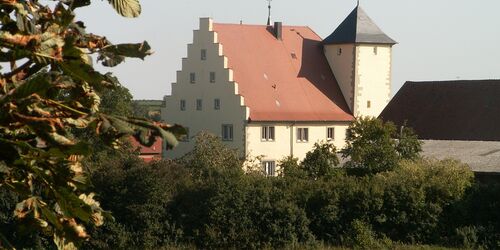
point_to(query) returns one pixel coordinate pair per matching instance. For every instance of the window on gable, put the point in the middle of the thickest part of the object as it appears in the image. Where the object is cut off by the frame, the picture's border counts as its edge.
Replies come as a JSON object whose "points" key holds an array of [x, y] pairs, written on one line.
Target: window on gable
{"points": [[302, 134], [183, 105], [330, 133], [269, 168], [199, 104], [212, 77], [217, 104], [192, 77], [267, 133], [227, 132], [203, 54]]}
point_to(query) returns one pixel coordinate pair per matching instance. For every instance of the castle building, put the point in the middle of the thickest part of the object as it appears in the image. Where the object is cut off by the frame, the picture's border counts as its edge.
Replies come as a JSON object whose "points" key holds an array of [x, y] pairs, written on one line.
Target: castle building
{"points": [[274, 91]]}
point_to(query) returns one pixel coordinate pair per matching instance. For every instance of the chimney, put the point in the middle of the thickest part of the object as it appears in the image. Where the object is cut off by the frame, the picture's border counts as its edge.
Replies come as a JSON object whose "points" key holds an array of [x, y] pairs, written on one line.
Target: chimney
{"points": [[278, 30]]}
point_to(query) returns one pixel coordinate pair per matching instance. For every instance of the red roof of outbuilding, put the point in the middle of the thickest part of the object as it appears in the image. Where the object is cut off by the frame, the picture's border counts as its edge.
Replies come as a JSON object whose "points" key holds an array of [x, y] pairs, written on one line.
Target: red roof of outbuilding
{"points": [[282, 80]]}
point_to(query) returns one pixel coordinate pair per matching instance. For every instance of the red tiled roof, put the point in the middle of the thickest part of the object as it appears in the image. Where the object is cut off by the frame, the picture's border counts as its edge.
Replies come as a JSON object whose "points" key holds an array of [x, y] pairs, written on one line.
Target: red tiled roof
{"points": [[282, 80], [155, 149]]}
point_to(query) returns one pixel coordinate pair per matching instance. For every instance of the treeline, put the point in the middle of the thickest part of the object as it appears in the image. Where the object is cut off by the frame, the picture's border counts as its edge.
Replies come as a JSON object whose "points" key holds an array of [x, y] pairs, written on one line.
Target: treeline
{"points": [[385, 195]]}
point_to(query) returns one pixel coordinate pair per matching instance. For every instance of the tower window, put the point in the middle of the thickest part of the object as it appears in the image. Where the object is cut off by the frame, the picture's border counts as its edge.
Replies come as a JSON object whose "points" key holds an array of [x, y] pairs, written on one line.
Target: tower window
{"points": [[339, 51], [212, 77], [375, 50], [192, 77], [203, 54], [183, 105], [368, 104], [199, 104]]}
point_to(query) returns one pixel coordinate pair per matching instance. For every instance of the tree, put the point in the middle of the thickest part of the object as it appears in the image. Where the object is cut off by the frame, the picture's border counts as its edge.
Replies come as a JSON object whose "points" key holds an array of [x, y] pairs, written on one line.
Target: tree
{"points": [[373, 146], [321, 161], [54, 91]]}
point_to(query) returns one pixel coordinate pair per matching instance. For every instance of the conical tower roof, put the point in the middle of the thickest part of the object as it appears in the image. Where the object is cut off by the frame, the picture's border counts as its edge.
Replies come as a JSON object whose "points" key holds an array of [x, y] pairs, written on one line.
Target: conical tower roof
{"points": [[358, 27]]}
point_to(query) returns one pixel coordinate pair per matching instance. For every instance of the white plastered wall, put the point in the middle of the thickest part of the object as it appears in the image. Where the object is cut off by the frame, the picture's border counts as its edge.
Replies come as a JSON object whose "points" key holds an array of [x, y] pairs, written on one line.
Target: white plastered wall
{"points": [[372, 79], [285, 143], [232, 109], [341, 59]]}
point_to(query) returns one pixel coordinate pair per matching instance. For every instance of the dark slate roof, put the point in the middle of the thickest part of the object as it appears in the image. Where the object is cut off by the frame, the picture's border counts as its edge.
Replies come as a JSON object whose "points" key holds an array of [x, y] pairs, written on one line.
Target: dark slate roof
{"points": [[448, 110], [358, 28]]}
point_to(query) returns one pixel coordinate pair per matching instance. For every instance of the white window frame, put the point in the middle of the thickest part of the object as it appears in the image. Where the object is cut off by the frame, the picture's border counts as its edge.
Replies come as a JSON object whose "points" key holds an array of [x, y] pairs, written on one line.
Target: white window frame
{"points": [[330, 133], [212, 77], [217, 104], [302, 134], [203, 55], [182, 105], [267, 133], [192, 77], [269, 167], [199, 104], [227, 132]]}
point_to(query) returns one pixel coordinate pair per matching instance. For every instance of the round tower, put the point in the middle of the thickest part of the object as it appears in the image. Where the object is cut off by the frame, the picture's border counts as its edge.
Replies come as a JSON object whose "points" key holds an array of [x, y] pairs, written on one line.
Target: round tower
{"points": [[360, 56]]}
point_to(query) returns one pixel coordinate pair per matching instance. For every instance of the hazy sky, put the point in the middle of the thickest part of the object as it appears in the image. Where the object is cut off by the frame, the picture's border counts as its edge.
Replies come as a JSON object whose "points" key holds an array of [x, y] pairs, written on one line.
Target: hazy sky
{"points": [[438, 40]]}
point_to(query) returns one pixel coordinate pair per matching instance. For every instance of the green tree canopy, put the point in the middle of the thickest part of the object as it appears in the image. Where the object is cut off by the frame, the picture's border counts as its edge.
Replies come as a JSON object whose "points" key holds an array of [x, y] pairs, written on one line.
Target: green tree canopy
{"points": [[373, 146]]}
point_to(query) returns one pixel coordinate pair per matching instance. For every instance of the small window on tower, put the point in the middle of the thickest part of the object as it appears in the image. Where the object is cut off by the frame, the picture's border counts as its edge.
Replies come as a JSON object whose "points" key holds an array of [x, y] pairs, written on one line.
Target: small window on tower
{"points": [[368, 104], [339, 51], [375, 50]]}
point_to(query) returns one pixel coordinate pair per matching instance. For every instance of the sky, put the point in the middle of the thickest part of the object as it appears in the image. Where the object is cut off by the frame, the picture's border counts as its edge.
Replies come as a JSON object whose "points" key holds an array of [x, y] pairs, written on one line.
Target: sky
{"points": [[437, 40]]}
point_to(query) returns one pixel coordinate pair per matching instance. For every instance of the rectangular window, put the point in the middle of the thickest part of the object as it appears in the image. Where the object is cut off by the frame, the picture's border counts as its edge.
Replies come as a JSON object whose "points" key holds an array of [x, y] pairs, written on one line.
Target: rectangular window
{"points": [[217, 104], [375, 50], [183, 105], [186, 137], [302, 134], [203, 54], [267, 133], [368, 104], [212, 77], [227, 132], [192, 77], [199, 104], [330, 134], [339, 52], [269, 168]]}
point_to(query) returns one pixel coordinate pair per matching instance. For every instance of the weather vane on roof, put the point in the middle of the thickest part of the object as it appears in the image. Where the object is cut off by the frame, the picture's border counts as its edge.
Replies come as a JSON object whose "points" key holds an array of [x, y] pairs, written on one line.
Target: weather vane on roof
{"points": [[269, 16]]}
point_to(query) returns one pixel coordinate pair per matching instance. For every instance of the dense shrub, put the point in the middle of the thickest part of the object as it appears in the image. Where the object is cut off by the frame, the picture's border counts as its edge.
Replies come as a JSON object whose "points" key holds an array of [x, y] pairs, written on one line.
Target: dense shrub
{"points": [[205, 201]]}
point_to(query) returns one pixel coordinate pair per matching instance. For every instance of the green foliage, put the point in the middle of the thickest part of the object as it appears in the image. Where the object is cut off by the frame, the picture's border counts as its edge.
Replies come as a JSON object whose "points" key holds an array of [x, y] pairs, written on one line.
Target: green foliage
{"points": [[290, 168], [53, 93], [373, 146], [210, 158], [320, 161]]}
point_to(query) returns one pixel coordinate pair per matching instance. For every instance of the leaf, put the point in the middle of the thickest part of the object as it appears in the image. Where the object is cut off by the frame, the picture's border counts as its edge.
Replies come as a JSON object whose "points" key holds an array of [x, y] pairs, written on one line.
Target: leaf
{"points": [[37, 85], [127, 8], [137, 50]]}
